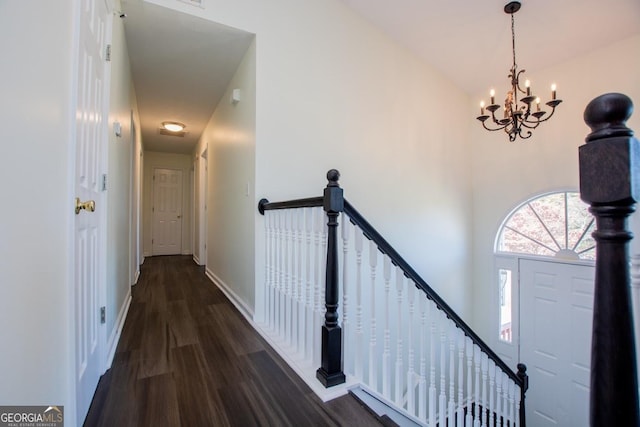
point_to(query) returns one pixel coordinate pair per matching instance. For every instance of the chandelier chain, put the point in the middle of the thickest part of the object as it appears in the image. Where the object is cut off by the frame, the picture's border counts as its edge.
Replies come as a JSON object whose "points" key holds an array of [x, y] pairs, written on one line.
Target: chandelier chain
{"points": [[513, 40]]}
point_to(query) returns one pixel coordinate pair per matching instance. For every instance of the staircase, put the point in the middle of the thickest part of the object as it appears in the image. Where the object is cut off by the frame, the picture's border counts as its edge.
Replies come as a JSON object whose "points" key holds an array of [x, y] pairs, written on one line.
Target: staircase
{"points": [[337, 296]]}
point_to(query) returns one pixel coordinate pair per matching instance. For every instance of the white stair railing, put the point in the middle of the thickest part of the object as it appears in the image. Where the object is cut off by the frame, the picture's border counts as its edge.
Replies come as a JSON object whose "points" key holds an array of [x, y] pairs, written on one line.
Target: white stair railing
{"points": [[400, 341]]}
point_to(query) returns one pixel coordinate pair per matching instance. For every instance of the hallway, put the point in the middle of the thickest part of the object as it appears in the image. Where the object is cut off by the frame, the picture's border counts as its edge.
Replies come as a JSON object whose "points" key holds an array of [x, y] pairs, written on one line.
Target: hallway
{"points": [[187, 357]]}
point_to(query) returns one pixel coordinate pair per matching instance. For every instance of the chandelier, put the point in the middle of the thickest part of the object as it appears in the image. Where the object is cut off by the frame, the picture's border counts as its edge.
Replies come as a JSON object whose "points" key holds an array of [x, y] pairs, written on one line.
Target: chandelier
{"points": [[519, 116]]}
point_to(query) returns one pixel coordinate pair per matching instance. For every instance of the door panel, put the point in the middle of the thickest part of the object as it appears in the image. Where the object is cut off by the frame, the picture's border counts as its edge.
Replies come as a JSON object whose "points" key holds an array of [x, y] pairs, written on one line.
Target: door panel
{"points": [[90, 342], [556, 310], [167, 212]]}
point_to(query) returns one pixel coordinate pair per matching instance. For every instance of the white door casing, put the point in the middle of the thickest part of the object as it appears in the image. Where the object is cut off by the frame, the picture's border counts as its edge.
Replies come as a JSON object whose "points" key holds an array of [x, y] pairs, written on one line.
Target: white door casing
{"points": [[556, 310], [89, 233], [167, 212]]}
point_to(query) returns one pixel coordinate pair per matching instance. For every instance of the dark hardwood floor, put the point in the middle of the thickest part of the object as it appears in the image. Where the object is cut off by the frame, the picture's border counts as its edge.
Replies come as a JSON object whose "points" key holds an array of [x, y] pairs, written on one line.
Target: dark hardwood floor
{"points": [[187, 357]]}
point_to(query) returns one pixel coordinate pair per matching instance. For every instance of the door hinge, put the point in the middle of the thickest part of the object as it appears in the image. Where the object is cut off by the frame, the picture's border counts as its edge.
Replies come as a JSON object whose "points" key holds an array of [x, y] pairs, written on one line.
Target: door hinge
{"points": [[104, 182], [107, 53], [103, 315]]}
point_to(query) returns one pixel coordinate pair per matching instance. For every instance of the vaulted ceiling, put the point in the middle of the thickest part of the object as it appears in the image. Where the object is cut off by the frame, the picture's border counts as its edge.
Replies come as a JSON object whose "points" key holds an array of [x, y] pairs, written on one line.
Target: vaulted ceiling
{"points": [[181, 65]]}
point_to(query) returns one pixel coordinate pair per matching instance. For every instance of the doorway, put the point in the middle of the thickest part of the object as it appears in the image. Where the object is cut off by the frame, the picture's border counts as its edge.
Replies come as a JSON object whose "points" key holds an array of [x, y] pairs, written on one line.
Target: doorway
{"points": [[544, 304], [556, 311], [167, 212]]}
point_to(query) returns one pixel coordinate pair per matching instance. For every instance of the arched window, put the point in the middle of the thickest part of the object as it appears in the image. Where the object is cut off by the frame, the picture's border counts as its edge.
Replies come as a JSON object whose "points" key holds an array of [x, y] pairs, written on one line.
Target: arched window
{"points": [[554, 225]]}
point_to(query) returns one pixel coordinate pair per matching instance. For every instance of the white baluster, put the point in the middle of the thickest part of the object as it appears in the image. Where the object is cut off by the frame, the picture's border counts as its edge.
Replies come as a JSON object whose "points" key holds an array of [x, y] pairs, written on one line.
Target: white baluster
{"points": [[485, 386], [510, 400], [373, 363], [477, 400], [269, 269], [309, 291], [433, 312], [492, 388], [386, 362], [469, 417], [460, 411], [359, 329], [293, 295], [516, 408], [442, 397], [286, 315], [399, 349], [291, 285], [279, 308], [499, 380], [319, 283], [300, 300], [411, 401], [346, 326], [451, 407]]}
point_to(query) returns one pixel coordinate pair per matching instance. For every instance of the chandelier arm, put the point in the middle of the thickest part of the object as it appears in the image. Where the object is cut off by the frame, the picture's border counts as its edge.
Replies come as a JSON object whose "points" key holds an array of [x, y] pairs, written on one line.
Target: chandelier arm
{"points": [[530, 124], [492, 130], [527, 136], [553, 110]]}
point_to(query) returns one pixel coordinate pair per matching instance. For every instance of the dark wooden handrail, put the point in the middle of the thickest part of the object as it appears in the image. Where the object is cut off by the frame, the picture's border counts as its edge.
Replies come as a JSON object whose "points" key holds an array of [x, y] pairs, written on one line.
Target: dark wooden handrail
{"points": [[310, 202]]}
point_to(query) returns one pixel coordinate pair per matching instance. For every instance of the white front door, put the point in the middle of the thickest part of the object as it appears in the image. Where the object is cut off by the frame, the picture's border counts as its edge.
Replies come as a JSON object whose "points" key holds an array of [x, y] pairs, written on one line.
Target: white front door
{"points": [[556, 310], [167, 212], [89, 255]]}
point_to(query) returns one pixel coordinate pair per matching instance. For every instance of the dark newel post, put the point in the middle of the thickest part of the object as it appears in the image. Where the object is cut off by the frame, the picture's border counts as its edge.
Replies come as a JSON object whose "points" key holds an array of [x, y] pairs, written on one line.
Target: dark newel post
{"points": [[522, 374], [330, 372], [609, 182]]}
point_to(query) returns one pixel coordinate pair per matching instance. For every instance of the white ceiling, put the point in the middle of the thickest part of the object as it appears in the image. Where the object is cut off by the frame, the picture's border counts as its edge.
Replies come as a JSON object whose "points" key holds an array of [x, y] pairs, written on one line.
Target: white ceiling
{"points": [[181, 65]]}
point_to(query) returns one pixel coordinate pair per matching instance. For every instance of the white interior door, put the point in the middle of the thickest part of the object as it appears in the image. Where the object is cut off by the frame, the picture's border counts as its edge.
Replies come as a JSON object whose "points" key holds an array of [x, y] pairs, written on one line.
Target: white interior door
{"points": [[90, 339], [167, 212], [556, 309]]}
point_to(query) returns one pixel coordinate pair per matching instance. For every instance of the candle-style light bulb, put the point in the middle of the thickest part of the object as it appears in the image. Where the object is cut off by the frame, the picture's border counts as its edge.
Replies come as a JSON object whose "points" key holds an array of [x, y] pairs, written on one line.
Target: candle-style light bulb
{"points": [[538, 103], [527, 84], [492, 93], [553, 91], [482, 108]]}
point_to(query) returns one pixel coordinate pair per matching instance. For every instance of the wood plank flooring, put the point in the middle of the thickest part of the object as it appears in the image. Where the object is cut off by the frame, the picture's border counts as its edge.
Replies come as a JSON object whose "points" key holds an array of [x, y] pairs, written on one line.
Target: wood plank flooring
{"points": [[187, 357]]}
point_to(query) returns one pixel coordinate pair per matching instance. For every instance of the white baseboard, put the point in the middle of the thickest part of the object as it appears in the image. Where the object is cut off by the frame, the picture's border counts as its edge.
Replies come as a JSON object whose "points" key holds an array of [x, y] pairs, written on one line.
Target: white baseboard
{"points": [[136, 276], [305, 371], [115, 334], [196, 259], [242, 307]]}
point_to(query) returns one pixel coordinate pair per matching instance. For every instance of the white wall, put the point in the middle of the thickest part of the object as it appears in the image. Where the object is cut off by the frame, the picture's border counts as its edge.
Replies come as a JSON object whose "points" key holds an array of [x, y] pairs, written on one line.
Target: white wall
{"points": [[505, 174], [120, 179], [334, 92], [154, 160], [37, 170], [230, 138]]}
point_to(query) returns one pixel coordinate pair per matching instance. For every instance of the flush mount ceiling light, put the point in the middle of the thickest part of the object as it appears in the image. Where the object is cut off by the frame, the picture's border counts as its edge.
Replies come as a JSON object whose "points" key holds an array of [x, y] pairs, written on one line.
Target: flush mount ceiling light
{"points": [[173, 126], [519, 117]]}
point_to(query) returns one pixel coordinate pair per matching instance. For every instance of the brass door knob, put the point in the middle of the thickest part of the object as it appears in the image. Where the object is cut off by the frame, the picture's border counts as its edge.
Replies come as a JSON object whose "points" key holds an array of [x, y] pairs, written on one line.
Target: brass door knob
{"points": [[89, 205]]}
